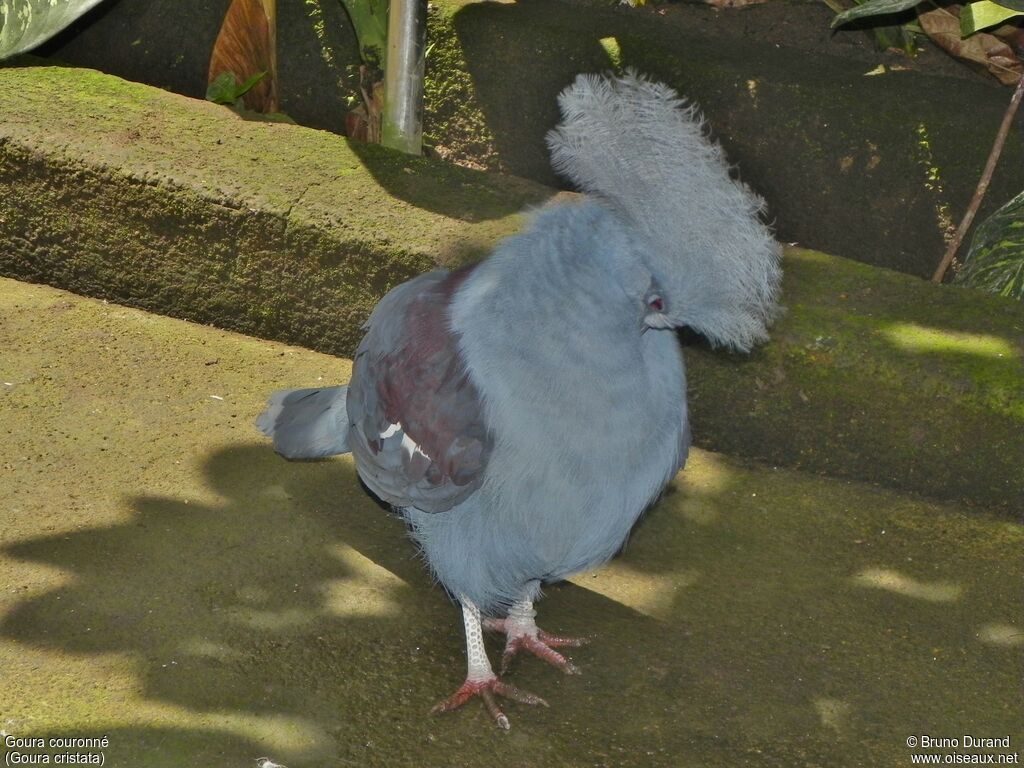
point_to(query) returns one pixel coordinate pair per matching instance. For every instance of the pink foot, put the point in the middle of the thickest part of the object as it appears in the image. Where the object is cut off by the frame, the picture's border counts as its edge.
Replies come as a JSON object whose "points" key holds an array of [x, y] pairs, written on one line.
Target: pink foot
{"points": [[486, 689], [536, 641]]}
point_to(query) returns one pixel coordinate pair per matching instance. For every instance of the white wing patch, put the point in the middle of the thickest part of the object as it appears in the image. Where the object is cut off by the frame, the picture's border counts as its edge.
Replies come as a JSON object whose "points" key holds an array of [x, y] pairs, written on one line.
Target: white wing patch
{"points": [[409, 446]]}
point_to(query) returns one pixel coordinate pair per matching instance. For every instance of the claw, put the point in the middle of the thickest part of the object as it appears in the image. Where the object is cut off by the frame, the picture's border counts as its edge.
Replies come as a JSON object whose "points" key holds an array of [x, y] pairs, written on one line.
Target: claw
{"points": [[486, 690], [559, 641], [539, 648], [536, 641]]}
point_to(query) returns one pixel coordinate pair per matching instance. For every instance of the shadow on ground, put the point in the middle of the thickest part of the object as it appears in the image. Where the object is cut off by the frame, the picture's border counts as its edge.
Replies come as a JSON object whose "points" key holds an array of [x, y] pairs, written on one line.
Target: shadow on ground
{"points": [[758, 617]]}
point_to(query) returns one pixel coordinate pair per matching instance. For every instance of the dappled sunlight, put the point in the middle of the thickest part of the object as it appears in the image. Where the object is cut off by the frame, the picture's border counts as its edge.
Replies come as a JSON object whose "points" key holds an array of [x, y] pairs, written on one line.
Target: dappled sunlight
{"points": [[285, 734], [271, 621], [369, 590], [918, 338], [834, 713], [900, 584], [752, 90], [315, 15], [298, 737], [614, 51], [701, 485], [705, 474], [242, 612], [698, 511], [89, 696], [933, 181], [199, 646], [651, 594], [1003, 635]]}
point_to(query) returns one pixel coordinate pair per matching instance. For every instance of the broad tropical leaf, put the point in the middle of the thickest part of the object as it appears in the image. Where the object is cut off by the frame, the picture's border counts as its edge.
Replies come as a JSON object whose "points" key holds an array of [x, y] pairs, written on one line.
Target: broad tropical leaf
{"points": [[24, 24], [1016, 5], [246, 51], [984, 14], [995, 262], [370, 20], [873, 8]]}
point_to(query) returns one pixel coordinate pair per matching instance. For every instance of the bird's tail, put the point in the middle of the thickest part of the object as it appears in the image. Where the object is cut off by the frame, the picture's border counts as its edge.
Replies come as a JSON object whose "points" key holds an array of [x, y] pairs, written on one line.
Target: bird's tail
{"points": [[307, 423], [644, 151]]}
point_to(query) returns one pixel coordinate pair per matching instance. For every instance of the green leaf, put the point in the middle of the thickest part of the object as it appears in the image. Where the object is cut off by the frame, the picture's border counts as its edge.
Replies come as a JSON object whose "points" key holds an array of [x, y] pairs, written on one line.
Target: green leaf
{"points": [[1016, 5], [222, 89], [370, 20], [225, 88], [24, 24], [984, 14], [995, 261], [873, 8], [245, 87]]}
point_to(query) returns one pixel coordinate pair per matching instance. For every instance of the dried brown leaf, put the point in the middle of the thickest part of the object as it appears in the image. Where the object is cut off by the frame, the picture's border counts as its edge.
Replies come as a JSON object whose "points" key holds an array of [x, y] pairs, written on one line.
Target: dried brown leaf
{"points": [[246, 46], [942, 25]]}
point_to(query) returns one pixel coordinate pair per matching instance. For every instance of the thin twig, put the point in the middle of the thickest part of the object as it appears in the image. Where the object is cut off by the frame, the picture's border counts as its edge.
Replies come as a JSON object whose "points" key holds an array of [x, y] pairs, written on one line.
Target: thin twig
{"points": [[986, 177]]}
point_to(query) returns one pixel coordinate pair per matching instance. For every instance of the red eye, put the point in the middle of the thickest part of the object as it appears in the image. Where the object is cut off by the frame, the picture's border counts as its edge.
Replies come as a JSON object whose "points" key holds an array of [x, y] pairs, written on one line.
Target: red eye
{"points": [[656, 304]]}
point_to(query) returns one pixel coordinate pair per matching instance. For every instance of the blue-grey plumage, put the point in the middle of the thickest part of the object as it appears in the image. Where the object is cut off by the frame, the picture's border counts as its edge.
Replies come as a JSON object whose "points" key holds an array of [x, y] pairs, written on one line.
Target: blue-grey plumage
{"points": [[522, 413], [587, 410], [307, 423]]}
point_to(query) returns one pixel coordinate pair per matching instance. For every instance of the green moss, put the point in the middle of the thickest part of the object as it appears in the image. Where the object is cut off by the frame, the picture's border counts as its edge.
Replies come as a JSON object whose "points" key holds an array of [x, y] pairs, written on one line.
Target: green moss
{"points": [[178, 206], [454, 125], [175, 585], [294, 234], [875, 375]]}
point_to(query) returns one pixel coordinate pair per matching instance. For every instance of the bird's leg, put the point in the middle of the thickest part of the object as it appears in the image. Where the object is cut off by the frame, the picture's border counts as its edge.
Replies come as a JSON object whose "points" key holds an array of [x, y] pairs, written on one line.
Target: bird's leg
{"points": [[523, 634], [480, 678]]}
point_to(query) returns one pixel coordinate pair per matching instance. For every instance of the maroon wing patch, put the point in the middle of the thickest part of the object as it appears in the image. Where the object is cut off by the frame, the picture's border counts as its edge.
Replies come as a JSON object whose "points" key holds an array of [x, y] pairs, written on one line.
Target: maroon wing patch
{"points": [[416, 419]]}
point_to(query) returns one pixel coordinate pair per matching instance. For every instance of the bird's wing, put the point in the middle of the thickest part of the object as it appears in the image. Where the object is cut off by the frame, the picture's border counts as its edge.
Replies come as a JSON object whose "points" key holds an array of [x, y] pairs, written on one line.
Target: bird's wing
{"points": [[416, 419]]}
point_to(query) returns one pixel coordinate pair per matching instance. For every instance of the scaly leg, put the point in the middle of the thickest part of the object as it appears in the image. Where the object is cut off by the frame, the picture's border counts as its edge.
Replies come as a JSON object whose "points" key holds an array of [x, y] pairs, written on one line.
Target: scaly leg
{"points": [[480, 678], [522, 633]]}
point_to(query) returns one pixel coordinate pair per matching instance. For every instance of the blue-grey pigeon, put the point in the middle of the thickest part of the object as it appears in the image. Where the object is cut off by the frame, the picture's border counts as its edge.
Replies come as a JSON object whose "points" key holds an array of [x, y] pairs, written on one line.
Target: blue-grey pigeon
{"points": [[521, 413]]}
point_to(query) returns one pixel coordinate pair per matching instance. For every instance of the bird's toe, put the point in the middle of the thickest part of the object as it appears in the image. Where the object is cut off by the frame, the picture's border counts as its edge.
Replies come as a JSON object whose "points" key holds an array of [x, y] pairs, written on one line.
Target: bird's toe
{"points": [[561, 641], [487, 689], [539, 648]]}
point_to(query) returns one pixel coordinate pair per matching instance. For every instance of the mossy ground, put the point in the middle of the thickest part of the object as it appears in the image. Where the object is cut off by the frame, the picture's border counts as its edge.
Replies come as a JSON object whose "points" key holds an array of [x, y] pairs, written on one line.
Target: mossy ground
{"points": [[174, 585]]}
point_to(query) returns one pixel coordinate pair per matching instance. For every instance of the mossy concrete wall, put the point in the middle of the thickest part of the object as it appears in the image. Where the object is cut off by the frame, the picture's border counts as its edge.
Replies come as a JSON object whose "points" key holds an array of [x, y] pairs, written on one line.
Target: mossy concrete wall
{"points": [[865, 154], [130, 193], [878, 375], [147, 198]]}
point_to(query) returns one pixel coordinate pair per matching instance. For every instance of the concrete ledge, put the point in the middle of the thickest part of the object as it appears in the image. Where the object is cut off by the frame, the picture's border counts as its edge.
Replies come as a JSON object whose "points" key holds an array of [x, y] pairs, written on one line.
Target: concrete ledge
{"points": [[123, 191], [130, 193], [868, 167], [876, 375], [172, 584]]}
